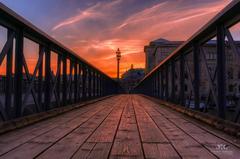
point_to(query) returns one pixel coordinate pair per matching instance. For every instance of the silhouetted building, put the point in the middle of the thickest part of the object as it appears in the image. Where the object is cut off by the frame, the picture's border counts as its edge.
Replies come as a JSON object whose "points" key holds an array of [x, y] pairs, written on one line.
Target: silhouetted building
{"points": [[131, 78]]}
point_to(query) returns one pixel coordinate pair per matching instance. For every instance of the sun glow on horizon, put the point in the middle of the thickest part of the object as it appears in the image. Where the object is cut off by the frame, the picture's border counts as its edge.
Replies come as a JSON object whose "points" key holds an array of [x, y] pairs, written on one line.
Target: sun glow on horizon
{"points": [[96, 30]]}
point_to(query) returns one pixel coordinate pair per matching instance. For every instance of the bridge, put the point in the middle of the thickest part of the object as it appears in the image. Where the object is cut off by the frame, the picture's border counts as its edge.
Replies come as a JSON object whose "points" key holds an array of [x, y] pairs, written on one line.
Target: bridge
{"points": [[74, 110]]}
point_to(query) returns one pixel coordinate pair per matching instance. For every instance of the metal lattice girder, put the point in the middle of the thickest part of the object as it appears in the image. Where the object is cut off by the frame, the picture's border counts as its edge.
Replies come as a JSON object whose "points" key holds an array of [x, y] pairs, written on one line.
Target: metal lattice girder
{"points": [[84, 78], [217, 27], [211, 80], [31, 80]]}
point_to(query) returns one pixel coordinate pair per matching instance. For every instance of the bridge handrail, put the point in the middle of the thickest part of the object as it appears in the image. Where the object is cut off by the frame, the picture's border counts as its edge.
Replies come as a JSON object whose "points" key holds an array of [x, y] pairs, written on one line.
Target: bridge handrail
{"points": [[11, 19], [153, 83], [229, 16], [57, 89]]}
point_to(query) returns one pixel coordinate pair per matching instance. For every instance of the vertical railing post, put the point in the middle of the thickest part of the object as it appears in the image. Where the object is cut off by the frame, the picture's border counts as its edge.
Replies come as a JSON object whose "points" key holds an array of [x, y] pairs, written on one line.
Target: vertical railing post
{"points": [[84, 82], [166, 81], [47, 99], [103, 86], [80, 81], [162, 83], [221, 71], [89, 82], [64, 81], [70, 80], [94, 83], [196, 82], [75, 81], [40, 80], [100, 84], [182, 71], [97, 84], [18, 78], [158, 83], [58, 87], [153, 84], [8, 98], [173, 81]]}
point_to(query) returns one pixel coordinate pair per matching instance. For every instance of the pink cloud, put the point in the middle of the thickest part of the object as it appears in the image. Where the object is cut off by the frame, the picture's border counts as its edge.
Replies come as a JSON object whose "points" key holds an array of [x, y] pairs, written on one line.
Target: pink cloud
{"points": [[95, 11], [169, 20]]}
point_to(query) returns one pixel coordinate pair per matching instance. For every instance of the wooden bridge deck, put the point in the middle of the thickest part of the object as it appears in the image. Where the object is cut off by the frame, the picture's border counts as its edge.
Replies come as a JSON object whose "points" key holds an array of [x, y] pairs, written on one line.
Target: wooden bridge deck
{"points": [[124, 126]]}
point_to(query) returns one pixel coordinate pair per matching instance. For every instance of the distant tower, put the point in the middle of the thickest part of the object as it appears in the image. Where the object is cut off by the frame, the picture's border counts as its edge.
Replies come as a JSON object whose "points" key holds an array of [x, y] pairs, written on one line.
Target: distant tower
{"points": [[131, 66], [118, 55]]}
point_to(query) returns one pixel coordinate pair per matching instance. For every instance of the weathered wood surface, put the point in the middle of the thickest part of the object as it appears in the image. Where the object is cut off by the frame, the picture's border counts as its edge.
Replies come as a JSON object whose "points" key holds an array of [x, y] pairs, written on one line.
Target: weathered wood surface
{"points": [[123, 126]]}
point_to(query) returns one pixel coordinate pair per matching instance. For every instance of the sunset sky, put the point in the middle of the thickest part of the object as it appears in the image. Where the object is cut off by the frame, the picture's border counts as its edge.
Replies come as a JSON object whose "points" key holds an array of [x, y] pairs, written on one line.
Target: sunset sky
{"points": [[94, 29]]}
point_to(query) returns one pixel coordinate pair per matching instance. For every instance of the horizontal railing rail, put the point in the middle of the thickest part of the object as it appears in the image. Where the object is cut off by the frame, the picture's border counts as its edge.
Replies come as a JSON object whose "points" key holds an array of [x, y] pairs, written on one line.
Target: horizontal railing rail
{"points": [[71, 80], [187, 76]]}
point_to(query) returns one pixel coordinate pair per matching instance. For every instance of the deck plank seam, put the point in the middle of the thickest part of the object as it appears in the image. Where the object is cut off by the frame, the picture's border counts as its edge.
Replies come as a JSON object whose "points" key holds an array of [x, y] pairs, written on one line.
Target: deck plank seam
{"points": [[187, 118], [68, 132], [115, 106], [186, 133], [141, 140], [115, 134], [28, 141], [180, 156]]}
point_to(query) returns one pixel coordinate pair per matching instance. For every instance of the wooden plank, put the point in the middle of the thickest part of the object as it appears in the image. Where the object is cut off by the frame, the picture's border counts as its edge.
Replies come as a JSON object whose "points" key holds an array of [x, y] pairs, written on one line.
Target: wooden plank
{"points": [[43, 141], [55, 134], [148, 130], [158, 150], [100, 151], [107, 130], [103, 136], [84, 151], [66, 147], [185, 145], [13, 139], [217, 146], [127, 143], [204, 134], [35, 128]]}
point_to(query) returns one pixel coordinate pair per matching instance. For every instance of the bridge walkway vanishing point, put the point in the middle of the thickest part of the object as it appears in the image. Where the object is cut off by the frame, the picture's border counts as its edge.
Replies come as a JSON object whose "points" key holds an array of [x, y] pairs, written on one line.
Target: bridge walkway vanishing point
{"points": [[122, 126]]}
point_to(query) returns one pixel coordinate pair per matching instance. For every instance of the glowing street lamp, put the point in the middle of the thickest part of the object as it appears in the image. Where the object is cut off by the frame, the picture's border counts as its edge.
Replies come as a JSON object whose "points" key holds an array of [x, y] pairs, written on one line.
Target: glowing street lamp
{"points": [[118, 55]]}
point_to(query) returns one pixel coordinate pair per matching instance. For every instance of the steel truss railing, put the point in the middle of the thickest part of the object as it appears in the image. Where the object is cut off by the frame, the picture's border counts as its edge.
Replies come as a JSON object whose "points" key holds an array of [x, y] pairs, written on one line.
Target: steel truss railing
{"points": [[72, 83], [161, 81]]}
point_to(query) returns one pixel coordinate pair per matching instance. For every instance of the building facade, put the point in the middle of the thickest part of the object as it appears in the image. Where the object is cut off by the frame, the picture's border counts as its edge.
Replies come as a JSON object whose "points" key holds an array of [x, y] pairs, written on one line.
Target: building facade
{"points": [[159, 49]]}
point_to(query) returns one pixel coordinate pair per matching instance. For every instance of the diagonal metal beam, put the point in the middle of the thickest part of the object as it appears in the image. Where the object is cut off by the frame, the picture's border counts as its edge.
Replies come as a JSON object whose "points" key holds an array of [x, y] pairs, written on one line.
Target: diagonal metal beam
{"points": [[190, 80], [232, 43], [29, 80], [30, 88], [210, 80], [8, 45], [53, 91]]}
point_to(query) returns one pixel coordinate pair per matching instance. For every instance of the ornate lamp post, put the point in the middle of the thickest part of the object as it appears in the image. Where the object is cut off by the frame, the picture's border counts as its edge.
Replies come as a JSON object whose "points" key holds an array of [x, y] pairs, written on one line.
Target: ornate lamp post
{"points": [[118, 55]]}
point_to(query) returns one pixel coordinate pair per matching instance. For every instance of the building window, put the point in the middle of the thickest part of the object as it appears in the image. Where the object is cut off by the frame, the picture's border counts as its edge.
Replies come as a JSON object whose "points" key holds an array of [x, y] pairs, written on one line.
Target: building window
{"points": [[211, 56]]}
